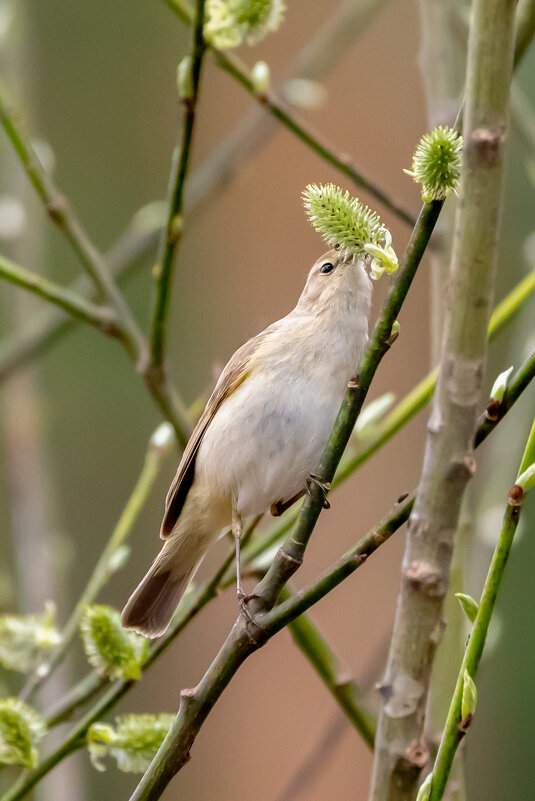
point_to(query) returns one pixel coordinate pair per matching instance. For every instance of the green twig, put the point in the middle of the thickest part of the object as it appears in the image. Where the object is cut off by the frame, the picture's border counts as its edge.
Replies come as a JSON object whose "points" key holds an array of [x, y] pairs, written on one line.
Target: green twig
{"points": [[159, 446], [50, 325], [457, 724], [62, 215], [75, 305], [334, 674], [234, 67], [172, 233], [525, 29]]}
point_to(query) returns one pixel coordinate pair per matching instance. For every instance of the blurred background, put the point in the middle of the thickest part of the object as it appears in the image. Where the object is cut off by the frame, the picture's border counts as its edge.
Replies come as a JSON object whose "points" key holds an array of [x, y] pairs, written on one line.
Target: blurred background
{"points": [[95, 83]]}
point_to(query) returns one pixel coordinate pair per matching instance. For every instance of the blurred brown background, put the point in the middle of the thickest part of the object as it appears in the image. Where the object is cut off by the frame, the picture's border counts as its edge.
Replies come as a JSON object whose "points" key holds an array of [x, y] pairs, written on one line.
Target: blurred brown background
{"points": [[96, 81]]}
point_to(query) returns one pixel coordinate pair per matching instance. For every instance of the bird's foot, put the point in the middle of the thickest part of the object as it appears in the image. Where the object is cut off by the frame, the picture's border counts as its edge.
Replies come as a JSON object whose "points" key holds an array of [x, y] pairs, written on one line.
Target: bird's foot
{"points": [[324, 487], [243, 603]]}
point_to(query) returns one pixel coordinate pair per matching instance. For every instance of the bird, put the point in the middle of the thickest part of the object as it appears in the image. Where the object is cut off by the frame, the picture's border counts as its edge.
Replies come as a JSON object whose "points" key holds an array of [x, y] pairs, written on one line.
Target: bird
{"points": [[262, 432]]}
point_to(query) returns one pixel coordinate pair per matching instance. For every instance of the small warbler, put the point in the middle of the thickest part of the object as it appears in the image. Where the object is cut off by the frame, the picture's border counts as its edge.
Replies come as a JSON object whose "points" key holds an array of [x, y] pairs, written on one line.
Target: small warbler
{"points": [[262, 432]]}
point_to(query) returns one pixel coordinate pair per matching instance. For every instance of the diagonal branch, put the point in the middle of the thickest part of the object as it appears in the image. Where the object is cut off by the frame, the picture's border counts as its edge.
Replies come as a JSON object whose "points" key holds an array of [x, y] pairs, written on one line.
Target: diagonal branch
{"points": [[63, 216], [75, 305], [172, 232]]}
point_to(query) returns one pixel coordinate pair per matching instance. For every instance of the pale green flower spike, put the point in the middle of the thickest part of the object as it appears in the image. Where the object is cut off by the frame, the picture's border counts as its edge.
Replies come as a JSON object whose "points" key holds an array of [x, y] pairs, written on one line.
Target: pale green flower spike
{"points": [[436, 163], [112, 650], [349, 226], [233, 22], [26, 641], [133, 742], [21, 728]]}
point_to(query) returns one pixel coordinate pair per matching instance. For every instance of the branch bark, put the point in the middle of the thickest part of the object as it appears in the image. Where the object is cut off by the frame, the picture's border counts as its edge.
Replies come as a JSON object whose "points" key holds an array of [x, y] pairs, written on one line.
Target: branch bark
{"points": [[449, 463]]}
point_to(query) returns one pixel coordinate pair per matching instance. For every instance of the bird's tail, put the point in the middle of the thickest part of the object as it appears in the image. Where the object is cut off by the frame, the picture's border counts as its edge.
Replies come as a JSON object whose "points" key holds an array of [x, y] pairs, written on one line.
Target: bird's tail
{"points": [[150, 607]]}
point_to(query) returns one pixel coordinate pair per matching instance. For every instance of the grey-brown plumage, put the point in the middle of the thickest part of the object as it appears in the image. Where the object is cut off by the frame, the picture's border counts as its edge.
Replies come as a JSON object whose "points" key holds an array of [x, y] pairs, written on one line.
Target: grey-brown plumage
{"points": [[262, 432]]}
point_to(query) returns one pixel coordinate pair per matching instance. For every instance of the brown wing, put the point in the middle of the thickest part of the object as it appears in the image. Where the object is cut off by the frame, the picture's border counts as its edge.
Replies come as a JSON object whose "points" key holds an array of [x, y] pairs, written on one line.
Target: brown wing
{"points": [[233, 375]]}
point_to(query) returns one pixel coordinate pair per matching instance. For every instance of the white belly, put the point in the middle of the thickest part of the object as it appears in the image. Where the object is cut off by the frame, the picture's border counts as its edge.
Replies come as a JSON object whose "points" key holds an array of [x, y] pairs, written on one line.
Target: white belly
{"points": [[269, 436]]}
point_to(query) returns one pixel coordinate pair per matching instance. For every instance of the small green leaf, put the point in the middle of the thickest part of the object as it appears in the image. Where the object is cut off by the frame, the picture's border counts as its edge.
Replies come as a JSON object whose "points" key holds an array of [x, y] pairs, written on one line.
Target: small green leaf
{"points": [[424, 791], [231, 23], [21, 728], [469, 700], [527, 479], [500, 385], [133, 742], [112, 650], [28, 640], [349, 226], [468, 604], [436, 163]]}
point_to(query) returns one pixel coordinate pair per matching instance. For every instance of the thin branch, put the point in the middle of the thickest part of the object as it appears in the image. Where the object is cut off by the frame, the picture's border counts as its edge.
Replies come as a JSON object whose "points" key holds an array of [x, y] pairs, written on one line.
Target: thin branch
{"points": [[130, 334], [159, 446], [62, 215], [525, 29], [172, 233], [334, 674], [448, 462], [289, 610], [51, 325], [234, 67], [457, 724], [75, 305]]}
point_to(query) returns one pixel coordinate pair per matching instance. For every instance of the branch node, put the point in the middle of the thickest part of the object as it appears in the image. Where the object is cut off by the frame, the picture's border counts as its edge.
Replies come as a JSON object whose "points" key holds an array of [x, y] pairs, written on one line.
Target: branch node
{"points": [[425, 579], [484, 146], [516, 496], [56, 207]]}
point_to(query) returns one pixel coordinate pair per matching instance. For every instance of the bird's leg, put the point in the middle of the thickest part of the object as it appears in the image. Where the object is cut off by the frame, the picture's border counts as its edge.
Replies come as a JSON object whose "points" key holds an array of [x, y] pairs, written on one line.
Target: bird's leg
{"points": [[243, 599], [324, 487]]}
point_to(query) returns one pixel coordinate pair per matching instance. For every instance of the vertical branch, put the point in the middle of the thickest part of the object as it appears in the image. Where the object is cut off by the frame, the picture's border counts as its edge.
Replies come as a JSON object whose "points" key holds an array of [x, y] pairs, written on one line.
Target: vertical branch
{"points": [[172, 232], [449, 461], [457, 723]]}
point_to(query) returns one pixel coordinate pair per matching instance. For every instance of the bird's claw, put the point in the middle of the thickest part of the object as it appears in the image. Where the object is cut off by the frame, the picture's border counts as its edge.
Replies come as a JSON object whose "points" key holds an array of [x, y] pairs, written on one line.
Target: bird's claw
{"points": [[243, 601], [324, 487]]}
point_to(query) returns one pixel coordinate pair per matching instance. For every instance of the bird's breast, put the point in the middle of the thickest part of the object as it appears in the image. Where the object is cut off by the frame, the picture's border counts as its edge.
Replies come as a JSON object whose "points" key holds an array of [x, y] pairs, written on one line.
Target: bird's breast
{"points": [[268, 436]]}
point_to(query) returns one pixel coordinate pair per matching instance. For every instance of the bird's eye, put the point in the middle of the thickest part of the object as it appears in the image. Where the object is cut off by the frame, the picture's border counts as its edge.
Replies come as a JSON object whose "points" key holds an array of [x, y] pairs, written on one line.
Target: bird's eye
{"points": [[326, 268]]}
